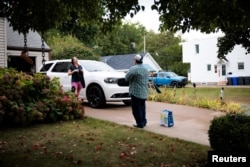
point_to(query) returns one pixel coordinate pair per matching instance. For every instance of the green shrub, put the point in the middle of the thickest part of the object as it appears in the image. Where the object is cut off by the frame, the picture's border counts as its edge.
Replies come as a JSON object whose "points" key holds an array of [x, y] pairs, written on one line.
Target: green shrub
{"points": [[230, 133], [26, 99], [63, 47]]}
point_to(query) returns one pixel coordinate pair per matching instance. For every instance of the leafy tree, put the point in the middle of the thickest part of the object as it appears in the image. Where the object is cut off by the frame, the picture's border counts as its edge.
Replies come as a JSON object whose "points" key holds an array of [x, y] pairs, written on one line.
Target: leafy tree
{"points": [[123, 39], [166, 49], [43, 15], [74, 17], [65, 47], [87, 34], [229, 16]]}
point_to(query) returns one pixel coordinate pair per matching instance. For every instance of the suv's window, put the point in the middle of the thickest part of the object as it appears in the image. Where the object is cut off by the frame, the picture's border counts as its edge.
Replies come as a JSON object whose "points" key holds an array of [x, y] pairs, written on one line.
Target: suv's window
{"points": [[61, 67], [46, 67], [96, 66]]}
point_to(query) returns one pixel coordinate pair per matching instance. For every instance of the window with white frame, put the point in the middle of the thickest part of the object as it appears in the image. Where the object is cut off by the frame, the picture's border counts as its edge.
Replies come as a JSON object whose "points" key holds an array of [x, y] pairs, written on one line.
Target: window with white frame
{"points": [[241, 66], [209, 67], [197, 49]]}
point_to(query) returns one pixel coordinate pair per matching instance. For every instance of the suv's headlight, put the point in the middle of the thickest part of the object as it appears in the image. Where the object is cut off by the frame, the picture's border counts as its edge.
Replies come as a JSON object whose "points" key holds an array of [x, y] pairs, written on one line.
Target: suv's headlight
{"points": [[111, 80]]}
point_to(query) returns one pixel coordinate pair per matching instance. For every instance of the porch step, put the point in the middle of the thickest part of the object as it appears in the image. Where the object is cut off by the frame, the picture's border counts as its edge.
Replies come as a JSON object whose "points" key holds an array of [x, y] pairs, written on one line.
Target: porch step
{"points": [[222, 83]]}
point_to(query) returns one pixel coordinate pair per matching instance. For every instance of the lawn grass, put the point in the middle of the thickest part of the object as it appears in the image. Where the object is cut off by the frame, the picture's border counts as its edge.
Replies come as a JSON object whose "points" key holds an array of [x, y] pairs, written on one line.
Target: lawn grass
{"points": [[92, 142], [235, 94], [96, 143]]}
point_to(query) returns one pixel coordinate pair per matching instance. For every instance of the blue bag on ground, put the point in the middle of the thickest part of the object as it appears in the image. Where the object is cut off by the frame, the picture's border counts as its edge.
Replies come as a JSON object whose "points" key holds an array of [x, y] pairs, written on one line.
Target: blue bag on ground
{"points": [[166, 118]]}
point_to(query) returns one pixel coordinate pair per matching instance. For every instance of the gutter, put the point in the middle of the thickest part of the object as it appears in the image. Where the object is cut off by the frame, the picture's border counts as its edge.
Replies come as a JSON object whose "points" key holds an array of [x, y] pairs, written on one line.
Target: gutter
{"points": [[29, 49]]}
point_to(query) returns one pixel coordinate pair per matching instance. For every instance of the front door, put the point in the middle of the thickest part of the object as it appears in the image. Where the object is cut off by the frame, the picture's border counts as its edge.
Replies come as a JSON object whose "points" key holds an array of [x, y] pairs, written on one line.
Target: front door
{"points": [[223, 72]]}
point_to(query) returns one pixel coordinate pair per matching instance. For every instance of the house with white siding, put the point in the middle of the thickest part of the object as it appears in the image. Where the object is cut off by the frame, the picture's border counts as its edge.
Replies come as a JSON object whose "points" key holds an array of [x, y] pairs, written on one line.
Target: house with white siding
{"points": [[207, 68], [12, 44]]}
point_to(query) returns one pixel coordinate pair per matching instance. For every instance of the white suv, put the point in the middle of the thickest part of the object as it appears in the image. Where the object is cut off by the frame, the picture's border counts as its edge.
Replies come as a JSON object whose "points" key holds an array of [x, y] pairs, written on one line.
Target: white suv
{"points": [[103, 83]]}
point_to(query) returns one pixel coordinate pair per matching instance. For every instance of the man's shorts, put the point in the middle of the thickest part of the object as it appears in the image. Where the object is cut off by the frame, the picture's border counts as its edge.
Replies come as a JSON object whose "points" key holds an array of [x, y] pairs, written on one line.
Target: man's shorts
{"points": [[77, 85]]}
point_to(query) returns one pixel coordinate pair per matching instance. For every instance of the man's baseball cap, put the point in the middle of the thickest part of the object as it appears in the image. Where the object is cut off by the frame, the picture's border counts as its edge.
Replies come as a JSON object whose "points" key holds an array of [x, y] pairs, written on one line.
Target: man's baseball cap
{"points": [[138, 57]]}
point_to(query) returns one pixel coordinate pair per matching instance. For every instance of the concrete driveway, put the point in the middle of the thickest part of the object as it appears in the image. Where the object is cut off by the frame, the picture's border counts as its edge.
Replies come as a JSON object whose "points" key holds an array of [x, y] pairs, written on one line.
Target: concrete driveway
{"points": [[190, 123]]}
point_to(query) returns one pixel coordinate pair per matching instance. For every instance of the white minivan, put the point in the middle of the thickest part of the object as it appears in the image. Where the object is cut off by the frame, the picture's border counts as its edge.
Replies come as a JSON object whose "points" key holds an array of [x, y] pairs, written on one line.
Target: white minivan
{"points": [[103, 83]]}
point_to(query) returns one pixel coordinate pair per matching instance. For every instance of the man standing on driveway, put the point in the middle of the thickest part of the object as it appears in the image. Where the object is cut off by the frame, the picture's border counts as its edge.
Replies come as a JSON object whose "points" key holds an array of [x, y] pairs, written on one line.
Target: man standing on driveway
{"points": [[138, 89]]}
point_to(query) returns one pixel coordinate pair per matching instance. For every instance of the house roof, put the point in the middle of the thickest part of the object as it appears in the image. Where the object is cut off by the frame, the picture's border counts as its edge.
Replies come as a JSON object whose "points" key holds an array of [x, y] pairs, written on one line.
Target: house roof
{"points": [[121, 62], [15, 40], [147, 66]]}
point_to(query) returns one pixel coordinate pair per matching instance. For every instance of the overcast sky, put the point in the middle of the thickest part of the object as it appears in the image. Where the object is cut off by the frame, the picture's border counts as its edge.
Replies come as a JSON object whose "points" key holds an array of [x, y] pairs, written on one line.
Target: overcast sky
{"points": [[150, 19]]}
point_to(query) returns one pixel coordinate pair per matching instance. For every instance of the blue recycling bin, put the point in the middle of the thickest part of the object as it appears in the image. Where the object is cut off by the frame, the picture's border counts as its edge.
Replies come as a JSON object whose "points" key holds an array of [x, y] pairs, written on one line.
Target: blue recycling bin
{"points": [[235, 80]]}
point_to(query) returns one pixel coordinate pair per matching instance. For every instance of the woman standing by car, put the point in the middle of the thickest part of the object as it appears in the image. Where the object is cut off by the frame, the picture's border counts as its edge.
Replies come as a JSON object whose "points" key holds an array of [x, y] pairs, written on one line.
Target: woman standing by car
{"points": [[77, 80]]}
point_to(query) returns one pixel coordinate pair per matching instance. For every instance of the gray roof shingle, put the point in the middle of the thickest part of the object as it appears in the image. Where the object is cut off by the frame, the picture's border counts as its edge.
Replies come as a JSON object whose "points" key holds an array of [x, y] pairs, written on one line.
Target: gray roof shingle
{"points": [[119, 61], [16, 40]]}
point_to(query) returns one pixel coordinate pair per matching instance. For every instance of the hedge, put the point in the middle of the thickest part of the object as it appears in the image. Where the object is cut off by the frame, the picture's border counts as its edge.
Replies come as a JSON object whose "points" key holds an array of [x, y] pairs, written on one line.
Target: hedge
{"points": [[30, 99], [230, 133]]}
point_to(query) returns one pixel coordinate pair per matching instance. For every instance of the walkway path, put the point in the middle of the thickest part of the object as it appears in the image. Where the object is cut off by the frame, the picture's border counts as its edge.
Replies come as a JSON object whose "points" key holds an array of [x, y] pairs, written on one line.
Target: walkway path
{"points": [[190, 123]]}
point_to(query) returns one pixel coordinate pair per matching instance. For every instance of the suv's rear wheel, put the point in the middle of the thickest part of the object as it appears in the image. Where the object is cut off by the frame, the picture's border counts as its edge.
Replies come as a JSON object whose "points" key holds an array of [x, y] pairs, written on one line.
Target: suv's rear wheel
{"points": [[96, 96]]}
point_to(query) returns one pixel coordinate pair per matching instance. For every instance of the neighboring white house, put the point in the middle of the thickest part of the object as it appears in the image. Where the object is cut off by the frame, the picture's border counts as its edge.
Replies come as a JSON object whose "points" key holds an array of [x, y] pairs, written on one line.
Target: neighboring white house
{"points": [[124, 62], [206, 68], [12, 44]]}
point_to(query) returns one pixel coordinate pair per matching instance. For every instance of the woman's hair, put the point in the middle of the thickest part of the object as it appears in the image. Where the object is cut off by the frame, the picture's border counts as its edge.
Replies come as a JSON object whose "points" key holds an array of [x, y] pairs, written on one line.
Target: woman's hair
{"points": [[72, 60]]}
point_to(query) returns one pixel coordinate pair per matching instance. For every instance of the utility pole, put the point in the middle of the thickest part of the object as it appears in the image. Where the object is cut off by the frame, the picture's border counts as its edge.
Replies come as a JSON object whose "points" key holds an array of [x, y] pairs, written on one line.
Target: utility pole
{"points": [[144, 42]]}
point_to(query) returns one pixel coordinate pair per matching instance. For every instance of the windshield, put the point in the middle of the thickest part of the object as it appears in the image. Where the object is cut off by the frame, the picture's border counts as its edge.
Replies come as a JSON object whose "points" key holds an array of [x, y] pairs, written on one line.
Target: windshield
{"points": [[96, 66]]}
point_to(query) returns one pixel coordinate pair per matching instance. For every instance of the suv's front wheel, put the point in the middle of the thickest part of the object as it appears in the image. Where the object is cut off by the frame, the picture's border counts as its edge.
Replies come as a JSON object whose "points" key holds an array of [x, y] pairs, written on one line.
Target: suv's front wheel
{"points": [[96, 96]]}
